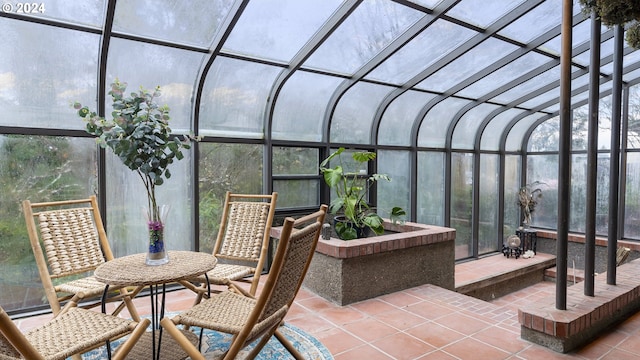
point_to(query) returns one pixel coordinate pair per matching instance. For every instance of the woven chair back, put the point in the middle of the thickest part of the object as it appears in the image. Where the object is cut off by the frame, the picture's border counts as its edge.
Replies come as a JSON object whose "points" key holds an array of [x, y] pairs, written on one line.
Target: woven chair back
{"points": [[70, 241], [296, 257], [244, 230]]}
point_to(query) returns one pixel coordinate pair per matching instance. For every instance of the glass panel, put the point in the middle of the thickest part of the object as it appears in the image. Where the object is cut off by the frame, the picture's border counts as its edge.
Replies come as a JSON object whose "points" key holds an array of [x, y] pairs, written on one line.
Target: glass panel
{"points": [[460, 69], [430, 195], [580, 126], [430, 4], [139, 64], [425, 49], [37, 168], [512, 166], [396, 192], [493, 132], [461, 199], [225, 167], [545, 137], [433, 129], [301, 106], [37, 92], [503, 75], [536, 22], [295, 161], [81, 12], [606, 49], [632, 197], [297, 193], [581, 34], [544, 168], [173, 21], [369, 29], [516, 134], [530, 86], [126, 200], [633, 127], [234, 98], [485, 15], [466, 130], [578, 196], [397, 121], [488, 205], [277, 29], [353, 116]]}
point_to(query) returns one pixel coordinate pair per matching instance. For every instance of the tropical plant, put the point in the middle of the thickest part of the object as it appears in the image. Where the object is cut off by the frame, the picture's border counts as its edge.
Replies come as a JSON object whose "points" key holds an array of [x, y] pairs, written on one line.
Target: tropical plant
{"points": [[139, 134], [351, 188]]}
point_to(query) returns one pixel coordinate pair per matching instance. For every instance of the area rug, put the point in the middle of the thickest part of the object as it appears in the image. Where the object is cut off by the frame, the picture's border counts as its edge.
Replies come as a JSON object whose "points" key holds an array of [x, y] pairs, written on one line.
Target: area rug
{"points": [[215, 343]]}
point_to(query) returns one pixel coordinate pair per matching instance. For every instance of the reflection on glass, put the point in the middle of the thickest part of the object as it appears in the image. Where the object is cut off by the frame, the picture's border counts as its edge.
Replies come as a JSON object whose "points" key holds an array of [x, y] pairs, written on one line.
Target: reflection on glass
{"points": [[301, 106], [578, 206], [461, 200], [369, 29], [488, 205], [297, 193], [632, 197], [536, 22], [493, 132], [545, 137], [466, 130], [234, 98], [482, 16], [544, 168], [425, 49], [396, 192], [138, 64], [398, 120], [437, 121], [38, 81], [40, 169], [225, 167], [353, 117], [430, 195], [278, 29], [295, 161], [193, 22], [512, 166], [471, 62]]}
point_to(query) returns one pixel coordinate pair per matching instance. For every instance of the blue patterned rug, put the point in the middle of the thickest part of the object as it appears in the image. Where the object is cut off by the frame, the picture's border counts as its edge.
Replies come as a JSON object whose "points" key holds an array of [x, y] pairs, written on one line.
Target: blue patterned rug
{"points": [[215, 343]]}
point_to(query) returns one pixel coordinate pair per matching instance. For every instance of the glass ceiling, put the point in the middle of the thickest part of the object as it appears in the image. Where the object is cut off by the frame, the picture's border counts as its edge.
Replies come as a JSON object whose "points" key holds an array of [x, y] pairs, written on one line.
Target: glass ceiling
{"points": [[399, 72]]}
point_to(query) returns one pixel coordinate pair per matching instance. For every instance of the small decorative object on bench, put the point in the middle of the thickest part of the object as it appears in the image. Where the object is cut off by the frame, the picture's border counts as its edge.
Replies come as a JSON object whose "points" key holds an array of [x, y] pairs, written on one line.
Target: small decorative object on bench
{"points": [[512, 247]]}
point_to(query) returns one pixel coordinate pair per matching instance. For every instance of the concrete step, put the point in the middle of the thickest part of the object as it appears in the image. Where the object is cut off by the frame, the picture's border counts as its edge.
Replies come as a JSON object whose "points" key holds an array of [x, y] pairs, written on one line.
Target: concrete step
{"points": [[498, 275]]}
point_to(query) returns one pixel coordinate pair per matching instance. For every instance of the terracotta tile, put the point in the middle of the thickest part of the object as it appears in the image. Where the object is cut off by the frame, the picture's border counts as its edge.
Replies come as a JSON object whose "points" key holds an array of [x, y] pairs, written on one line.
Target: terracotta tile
{"points": [[472, 349], [338, 340], [462, 323], [435, 334], [403, 346], [363, 352], [370, 329], [400, 319], [373, 306]]}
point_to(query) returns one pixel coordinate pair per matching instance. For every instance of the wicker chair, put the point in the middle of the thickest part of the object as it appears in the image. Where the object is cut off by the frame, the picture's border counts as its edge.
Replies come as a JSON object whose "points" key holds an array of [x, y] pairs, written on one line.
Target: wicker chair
{"points": [[72, 235], [246, 317], [243, 240], [74, 331]]}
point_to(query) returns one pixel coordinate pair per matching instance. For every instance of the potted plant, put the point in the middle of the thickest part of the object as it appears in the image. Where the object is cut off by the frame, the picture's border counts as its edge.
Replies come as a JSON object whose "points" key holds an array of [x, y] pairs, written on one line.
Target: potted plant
{"points": [[617, 12], [352, 212], [139, 134], [528, 197]]}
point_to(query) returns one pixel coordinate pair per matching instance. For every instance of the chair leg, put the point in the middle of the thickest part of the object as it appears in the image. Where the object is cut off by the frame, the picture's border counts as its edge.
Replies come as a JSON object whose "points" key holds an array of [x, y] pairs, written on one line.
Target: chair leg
{"points": [[289, 346], [182, 340], [263, 341]]}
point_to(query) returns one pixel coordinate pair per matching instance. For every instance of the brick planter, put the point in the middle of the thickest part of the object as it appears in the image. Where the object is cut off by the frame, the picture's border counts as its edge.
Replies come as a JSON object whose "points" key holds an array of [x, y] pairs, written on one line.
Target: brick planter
{"points": [[349, 271]]}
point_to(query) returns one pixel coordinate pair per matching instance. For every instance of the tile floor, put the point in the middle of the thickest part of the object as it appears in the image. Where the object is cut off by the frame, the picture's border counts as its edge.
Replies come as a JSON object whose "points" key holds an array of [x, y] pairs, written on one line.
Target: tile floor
{"points": [[428, 322]]}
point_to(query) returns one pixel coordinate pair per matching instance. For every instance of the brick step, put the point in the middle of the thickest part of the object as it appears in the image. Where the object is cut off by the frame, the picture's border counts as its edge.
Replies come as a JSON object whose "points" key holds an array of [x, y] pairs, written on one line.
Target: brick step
{"points": [[573, 276]]}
